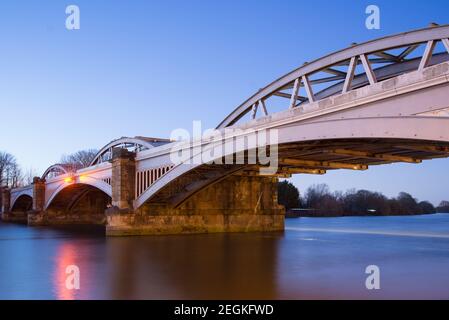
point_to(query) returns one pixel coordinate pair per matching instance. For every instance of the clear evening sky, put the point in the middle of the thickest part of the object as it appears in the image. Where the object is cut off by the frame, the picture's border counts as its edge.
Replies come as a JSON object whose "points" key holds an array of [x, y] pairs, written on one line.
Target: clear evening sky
{"points": [[148, 67]]}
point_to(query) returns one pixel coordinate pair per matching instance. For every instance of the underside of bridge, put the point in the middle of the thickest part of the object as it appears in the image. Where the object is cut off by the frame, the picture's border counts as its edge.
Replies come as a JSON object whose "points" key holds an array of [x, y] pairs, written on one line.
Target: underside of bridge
{"points": [[19, 210], [75, 204], [355, 154], [23, 203], [237, 198], [236, 204]]}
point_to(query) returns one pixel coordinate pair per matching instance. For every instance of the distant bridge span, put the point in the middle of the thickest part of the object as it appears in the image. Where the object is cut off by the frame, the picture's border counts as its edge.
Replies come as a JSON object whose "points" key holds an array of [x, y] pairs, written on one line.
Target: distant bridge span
{"points": [[380, 102]]}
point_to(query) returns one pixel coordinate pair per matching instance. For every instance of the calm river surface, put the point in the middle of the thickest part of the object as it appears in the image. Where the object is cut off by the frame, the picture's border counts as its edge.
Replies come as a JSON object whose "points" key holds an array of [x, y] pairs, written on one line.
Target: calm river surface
{"points": [[314, 258]]}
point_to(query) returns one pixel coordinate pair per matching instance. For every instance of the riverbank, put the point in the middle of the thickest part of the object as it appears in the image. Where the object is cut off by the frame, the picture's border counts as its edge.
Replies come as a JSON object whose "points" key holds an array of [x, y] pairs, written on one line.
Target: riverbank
{"points": [[311, 213]]}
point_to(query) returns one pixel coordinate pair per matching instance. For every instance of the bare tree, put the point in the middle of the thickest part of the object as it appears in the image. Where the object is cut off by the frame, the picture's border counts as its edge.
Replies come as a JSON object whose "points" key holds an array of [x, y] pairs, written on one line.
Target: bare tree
{"points": [[80, 159], [15, 176], [27, 177], [443, 207], [10, 173], [5, 161]]}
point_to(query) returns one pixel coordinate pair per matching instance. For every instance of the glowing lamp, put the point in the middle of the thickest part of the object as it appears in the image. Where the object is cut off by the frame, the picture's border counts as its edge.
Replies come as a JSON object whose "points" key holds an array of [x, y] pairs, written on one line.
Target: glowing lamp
{"points": [[68, 180]]}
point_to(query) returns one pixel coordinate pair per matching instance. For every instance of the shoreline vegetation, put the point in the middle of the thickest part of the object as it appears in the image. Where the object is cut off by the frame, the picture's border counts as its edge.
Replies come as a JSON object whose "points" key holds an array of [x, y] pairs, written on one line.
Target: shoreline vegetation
{"points": [[319, 201]]}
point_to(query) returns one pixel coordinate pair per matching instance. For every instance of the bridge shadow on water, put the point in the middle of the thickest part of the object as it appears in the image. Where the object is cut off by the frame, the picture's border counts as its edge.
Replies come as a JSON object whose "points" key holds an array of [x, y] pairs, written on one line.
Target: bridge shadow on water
{"points": [[215, 266]]}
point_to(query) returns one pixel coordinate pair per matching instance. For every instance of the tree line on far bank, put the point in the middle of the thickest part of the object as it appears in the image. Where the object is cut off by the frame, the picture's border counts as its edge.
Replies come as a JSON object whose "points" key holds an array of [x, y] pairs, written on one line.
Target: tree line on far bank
{"points": [[318, 200]]}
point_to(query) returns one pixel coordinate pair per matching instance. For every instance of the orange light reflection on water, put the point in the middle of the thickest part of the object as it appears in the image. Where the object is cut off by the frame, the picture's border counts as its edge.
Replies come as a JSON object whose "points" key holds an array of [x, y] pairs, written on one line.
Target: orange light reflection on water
{"points": [[66, 256]]}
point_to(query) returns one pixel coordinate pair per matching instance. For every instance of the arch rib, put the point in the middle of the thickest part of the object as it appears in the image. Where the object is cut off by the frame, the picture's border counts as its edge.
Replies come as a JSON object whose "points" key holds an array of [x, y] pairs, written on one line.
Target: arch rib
{"points": [[64, 169], [350, 56], [99, 184], [138, 143]]}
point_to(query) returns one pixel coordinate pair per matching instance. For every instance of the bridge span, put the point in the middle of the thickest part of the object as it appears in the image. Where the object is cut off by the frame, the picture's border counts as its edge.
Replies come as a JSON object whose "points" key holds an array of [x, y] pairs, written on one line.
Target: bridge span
{"points": [[380, 102]]}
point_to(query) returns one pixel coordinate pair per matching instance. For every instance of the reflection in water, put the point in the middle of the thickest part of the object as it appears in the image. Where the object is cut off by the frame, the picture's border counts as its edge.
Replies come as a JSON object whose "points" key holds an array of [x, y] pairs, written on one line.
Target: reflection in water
{"points": [[65, 257], [194, 267], [315, 258]]}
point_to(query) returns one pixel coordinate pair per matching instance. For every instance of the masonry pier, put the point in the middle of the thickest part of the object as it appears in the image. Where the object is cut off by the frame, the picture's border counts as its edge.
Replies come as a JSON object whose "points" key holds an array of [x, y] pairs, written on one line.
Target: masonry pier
{"points": [[235, 204]]}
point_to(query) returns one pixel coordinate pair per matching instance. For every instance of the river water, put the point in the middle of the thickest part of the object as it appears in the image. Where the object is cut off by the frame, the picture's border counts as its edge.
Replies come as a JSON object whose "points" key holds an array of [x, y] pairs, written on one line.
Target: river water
{"points": [[315, 258]]}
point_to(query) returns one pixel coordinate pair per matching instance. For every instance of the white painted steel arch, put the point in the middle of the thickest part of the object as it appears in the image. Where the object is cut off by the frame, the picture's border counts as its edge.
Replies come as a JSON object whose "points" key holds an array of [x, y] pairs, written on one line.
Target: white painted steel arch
{"points": [[96, 183], [138, 143], [60, 169], [352, 56], [17, 193]]}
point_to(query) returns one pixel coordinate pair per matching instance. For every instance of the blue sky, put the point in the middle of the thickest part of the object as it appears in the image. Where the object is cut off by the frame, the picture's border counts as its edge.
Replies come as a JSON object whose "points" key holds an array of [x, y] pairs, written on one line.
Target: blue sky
{"points": [[148, 67]]}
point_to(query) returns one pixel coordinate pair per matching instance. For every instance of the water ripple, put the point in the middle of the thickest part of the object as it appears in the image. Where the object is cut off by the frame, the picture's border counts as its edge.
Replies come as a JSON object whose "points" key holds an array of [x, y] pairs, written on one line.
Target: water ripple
{"points": [[372, 232]]}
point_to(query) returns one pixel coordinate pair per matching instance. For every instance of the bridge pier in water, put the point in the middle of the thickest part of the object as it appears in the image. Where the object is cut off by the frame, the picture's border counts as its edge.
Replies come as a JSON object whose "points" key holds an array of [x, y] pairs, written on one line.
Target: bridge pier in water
{"points": [[235, 204], [37, 215], [18, 212]]}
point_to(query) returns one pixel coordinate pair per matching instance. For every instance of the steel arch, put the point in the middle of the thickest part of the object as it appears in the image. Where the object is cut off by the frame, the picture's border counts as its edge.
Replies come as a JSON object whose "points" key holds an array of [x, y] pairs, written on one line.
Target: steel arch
{"points": [[17, 193], [57, 168], [98, 184], [352, 56], [138, 143]]}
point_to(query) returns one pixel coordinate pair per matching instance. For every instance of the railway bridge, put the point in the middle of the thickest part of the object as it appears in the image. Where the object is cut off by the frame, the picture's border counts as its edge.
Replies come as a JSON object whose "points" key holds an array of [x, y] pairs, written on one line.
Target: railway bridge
{"points": [[380, 102]]}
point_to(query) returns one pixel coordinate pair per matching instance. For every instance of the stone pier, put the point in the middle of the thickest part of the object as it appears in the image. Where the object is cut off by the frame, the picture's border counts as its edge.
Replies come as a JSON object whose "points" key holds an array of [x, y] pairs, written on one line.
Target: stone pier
{"points": [[6, 200], [5, 203], [37, 215], [235, 204], [1, 197]]}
